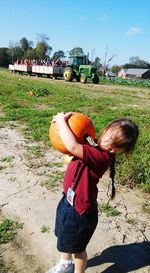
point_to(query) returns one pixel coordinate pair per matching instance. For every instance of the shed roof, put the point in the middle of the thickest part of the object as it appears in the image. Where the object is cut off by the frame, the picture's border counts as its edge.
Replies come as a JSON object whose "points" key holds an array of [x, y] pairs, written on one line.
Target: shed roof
{"points": [[135, 71]]}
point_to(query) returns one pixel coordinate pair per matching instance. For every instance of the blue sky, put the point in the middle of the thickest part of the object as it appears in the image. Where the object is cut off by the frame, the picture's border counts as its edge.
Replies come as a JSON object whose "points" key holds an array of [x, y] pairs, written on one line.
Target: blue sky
{"points": [[123, 27]]}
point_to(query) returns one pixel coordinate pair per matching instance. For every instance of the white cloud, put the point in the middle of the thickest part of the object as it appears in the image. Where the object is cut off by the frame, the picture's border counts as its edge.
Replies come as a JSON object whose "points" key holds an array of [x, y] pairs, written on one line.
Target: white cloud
{"points": [[133, 31]]}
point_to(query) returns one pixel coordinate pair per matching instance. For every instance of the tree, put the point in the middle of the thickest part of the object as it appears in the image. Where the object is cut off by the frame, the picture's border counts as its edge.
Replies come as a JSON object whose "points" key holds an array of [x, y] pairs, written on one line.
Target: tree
{"points": [[116, 68], [4, 57], [43, 50], [143, 64], [30, 54], [76, 51], [136, 62], [25, 44], [15, 51], [97, 63], [58, 55], [133, 60]]}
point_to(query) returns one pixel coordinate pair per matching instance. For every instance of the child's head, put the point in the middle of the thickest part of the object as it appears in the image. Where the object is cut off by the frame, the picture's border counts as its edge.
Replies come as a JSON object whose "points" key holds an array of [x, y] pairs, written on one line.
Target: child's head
{"points": [[119, 136]]}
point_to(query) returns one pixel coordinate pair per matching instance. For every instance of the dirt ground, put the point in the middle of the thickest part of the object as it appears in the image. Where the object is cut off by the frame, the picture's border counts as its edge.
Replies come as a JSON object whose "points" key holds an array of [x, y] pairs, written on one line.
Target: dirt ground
{"points": [[120, 243]]}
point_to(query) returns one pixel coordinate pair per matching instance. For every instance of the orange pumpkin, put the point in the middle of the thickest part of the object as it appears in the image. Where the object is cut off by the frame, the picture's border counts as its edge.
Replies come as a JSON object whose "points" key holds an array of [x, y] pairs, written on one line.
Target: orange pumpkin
{"points": [[80, 125]]}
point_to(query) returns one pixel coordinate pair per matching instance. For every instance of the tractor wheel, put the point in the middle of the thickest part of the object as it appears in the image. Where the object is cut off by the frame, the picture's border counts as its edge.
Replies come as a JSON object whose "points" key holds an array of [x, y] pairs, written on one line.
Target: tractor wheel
{"points": [[95, 79], [68, 74], [77, 78], [83, 78]]}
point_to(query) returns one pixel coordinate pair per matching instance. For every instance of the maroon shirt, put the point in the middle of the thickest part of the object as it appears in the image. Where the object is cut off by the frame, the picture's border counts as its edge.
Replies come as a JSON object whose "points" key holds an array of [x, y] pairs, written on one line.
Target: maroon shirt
{"points": [[94, 164]]}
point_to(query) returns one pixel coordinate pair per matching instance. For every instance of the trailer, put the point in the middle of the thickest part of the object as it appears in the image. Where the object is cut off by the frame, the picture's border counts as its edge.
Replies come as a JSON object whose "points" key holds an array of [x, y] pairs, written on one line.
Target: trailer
{"points": [[38, 70], [54, 71], [20, 68]]}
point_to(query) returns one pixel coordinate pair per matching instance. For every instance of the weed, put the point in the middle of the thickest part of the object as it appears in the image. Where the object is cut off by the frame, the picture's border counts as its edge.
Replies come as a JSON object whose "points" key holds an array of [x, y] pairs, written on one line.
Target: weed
{"points": [[132, 221], [58, 175], [7, 159], [45, 229], [55, 164], [8, 230], [50, 184], [145, 187], [8, 266], [146, 207], [54, 181], [109, 210], [12, 179], [42, 92], [39, 92], [36, 150], [2, 167], [3, 267]]}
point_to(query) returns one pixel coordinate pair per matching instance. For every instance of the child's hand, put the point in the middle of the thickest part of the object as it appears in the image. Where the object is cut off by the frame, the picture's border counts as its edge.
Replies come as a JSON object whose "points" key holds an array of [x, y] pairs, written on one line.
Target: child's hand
{"points": [[61, 116]]}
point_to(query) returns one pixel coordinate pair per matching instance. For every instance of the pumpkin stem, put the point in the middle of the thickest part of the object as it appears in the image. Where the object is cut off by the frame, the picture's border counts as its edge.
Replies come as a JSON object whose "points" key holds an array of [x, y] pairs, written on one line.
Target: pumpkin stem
{"points": [[90, 140]]}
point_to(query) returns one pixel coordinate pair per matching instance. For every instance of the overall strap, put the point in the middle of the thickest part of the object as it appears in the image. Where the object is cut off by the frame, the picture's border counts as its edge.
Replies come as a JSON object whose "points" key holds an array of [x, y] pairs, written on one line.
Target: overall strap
{"points": [[76, 175]]}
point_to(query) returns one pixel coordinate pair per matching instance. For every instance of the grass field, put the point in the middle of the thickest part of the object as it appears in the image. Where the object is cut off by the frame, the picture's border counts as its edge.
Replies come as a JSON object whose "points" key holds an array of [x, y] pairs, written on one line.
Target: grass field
{"points": [[33, 101]]}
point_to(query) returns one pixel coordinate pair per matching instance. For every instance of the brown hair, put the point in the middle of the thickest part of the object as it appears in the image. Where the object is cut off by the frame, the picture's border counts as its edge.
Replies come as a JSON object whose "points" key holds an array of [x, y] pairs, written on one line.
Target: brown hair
{"points": [[125, 136]]}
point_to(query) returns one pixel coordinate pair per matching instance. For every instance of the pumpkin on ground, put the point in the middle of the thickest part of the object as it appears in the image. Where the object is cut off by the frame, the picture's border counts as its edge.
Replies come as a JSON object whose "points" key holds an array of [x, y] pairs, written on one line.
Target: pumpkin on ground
{"points": [[80, 125]]}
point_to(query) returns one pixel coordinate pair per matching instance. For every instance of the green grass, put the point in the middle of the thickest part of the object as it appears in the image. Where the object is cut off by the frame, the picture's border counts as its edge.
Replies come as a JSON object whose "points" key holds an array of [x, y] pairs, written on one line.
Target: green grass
{"points": [[6, 159], [53, 182], [8, 230], [102, 103], [146, 207], [35, 150], [108, 210], [55, 164], [45, 229], [2, 167]]}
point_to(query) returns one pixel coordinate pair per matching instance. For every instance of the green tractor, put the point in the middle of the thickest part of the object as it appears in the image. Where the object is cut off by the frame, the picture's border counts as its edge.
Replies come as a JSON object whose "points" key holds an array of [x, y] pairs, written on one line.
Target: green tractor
{"points": [[80, 69]]}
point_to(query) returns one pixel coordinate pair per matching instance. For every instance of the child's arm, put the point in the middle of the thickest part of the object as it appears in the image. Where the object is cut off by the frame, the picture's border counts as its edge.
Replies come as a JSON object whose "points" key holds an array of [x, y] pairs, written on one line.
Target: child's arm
{"points": [[67, 136]]}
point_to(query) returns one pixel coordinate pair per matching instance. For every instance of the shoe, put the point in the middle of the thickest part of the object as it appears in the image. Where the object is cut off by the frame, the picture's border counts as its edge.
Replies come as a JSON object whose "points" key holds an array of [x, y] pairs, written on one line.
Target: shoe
{"points": [[62, 268]]}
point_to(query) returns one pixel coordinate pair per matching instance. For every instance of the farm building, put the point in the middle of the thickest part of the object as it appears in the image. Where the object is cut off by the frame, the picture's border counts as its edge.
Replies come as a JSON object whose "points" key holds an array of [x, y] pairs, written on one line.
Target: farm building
{"points": [[134, 72]]}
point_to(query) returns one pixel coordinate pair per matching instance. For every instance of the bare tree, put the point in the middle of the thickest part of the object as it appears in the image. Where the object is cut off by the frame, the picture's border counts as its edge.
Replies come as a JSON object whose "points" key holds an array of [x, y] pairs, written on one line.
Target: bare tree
{"points": [[92, 54], [107, 61], [15, 51]]}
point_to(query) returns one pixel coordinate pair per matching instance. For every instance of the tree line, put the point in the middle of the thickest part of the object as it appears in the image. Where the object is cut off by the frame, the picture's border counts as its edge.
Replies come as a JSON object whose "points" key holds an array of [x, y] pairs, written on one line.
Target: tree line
{"points": [[25, 49]]}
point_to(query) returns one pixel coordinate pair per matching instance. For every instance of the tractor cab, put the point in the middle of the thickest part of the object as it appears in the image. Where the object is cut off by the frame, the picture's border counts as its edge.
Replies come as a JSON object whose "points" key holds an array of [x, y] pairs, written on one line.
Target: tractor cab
{"points": [[78, 60]]}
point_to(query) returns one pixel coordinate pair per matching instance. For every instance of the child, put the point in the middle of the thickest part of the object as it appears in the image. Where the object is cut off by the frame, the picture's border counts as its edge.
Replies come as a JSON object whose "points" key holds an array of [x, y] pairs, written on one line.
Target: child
{"points": [[77, 215]]}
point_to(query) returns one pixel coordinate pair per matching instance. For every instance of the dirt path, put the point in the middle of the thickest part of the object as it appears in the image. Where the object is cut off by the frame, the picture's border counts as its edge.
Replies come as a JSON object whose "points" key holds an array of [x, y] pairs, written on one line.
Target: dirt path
{"points": [[120, 243]]}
